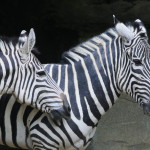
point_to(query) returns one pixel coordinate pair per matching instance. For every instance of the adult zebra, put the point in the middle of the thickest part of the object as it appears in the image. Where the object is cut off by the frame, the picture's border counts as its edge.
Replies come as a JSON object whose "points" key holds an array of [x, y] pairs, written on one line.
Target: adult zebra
{"points": [[22, 75], [93, 76]]}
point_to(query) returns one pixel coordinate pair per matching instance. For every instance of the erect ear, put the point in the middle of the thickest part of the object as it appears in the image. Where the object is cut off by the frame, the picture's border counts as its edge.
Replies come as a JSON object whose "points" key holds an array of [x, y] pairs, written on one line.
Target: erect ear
{"points": [[29, 44], [123, 30]]}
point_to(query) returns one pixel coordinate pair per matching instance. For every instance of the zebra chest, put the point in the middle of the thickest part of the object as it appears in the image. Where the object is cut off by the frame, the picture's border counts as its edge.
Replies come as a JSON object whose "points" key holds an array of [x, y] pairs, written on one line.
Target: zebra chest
{"points": [[79, 135], [81, 144], [70, 135]]}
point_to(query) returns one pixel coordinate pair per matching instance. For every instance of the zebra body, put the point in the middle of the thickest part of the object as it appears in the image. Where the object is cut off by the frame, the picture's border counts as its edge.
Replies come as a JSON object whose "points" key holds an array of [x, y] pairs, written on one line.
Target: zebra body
{"points": [[93, 76]]}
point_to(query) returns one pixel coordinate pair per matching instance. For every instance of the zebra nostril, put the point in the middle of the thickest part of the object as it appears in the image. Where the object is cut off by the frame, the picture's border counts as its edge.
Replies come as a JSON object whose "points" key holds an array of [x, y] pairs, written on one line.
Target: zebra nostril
{"points": [[69, 109], [62, 96]]}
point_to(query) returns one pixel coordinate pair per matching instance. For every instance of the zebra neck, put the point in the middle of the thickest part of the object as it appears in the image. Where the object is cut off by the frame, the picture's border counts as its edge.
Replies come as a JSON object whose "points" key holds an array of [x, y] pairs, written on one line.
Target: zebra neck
{"points": [[90, 91], [89, 79]]}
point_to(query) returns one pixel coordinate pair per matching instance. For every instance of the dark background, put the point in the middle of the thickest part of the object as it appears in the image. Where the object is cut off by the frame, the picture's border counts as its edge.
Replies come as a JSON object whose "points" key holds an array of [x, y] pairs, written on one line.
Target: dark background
{"points": [[61, 24]]}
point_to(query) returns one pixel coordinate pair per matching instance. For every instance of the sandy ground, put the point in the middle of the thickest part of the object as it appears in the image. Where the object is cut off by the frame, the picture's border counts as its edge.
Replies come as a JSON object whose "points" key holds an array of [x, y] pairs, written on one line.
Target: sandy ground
{"points": [[123, 127]]}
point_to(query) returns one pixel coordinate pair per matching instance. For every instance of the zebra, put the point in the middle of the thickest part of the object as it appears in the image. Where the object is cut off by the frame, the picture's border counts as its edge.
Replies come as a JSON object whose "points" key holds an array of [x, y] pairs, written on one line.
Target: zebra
{"points": [[25, 77], [93, 75]]}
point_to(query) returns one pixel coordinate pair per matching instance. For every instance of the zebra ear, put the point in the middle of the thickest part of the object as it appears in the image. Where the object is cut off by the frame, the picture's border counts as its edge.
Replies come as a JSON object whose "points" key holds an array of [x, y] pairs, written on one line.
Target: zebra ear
{"points": [[23, 36], [29, 43], [123, 30]]}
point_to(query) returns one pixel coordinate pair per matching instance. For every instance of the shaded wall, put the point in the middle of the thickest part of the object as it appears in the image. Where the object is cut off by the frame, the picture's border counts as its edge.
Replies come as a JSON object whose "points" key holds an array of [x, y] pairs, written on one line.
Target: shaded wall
{"points": [[61, 24]]}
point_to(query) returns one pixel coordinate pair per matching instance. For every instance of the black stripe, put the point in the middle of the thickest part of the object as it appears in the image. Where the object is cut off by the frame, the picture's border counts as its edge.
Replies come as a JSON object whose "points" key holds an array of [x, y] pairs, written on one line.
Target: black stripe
{"points": [[71, 91], [26, 114], [62, 77], [47, 67], [13, 70], [25, 77], [55, 73], [27, 84], [13, 118]]}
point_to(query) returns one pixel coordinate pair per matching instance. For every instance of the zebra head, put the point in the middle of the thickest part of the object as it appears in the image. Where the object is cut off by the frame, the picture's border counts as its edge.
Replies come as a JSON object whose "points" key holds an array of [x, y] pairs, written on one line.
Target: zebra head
{"points": [[134, 77], [22, 75]]}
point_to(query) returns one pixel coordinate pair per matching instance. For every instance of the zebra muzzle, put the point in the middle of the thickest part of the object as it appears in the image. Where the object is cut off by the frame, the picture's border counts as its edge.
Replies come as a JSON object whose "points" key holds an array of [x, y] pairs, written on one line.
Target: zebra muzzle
{"points": [[63, 112], [146, 108], [58, 114]]}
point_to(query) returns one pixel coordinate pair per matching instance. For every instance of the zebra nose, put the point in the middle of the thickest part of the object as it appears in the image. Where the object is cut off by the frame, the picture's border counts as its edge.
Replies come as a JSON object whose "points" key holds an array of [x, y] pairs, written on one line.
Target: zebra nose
{"points": [[66, 104], [63, 112]]}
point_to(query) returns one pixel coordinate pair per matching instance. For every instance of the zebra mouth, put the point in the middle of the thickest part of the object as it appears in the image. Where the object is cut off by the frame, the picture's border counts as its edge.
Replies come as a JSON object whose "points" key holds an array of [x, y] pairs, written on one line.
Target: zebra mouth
{"points": [[146, 108], [58, 114]]}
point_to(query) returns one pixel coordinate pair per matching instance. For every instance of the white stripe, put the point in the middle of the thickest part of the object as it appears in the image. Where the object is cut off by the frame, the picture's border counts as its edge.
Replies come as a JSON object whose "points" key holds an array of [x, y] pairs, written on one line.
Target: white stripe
{"points": [[7, 121], [50, 70], [4, 74], [92, 117], [77, 94], [21, 136], [59, 75], [66, 83]]}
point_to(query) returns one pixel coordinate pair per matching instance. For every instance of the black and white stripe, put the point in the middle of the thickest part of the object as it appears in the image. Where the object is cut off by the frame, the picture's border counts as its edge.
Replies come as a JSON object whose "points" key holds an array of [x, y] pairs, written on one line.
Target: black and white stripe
{"points": [[93, 76]]}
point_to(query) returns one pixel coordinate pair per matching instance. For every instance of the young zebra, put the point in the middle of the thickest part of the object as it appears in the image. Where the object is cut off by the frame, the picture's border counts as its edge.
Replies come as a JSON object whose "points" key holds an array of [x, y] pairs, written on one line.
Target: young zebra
{"points": [[23, 76], [93, 76]]}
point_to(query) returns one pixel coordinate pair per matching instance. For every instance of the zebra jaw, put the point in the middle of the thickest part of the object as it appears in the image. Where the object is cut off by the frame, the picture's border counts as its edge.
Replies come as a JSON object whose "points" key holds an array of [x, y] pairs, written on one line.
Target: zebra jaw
{"points": [[146, 107]]}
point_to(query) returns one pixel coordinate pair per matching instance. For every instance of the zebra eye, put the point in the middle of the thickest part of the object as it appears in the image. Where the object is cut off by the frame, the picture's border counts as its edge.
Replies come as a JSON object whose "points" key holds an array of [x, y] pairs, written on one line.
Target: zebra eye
{"points": [[41, 73], [137, 62]]}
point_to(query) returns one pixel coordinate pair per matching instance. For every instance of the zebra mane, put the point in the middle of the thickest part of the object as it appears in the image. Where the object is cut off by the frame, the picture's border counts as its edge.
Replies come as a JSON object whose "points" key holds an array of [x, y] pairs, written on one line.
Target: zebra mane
{"points": [[8, 43], [16, 42], [8, 40], [136, 26], [76, 53]]}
